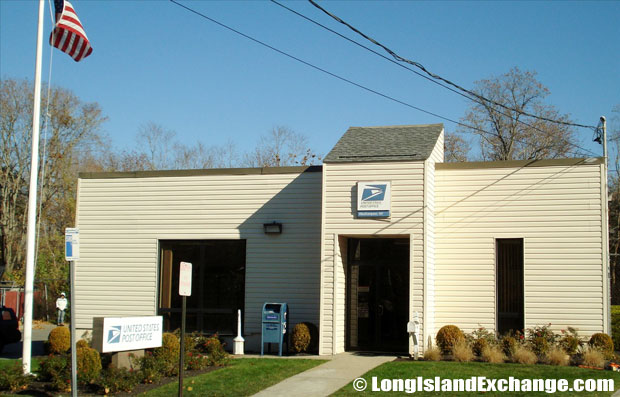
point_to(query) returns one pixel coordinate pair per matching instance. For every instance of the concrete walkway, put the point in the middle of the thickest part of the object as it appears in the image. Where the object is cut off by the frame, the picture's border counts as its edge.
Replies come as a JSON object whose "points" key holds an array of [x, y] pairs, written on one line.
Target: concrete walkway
{"points": [[326, 378]]}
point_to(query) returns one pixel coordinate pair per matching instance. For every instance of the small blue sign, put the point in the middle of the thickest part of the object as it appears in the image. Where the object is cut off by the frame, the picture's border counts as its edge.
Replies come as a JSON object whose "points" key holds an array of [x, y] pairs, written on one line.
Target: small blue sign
{"points": [[373, 214], [72, 244]]}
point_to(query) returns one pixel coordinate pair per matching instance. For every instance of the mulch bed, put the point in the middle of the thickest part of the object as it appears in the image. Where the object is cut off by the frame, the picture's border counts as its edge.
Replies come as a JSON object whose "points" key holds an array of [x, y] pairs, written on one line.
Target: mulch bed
{"points": [[42, 388]]}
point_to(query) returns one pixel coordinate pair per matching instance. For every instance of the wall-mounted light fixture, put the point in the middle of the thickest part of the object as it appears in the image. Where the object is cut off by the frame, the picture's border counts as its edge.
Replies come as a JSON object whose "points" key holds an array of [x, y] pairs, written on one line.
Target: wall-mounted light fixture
{"points": [[272, 228]]}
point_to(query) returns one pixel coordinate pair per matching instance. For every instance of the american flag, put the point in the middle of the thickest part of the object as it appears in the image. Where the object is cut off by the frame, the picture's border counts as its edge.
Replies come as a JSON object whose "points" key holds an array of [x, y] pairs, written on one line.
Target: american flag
{"points": [[68, 34]]}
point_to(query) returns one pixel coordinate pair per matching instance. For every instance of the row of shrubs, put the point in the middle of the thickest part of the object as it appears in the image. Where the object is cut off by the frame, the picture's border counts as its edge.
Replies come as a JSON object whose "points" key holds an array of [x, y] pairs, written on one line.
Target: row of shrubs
{"points": [[95, 373], [537, 345]]}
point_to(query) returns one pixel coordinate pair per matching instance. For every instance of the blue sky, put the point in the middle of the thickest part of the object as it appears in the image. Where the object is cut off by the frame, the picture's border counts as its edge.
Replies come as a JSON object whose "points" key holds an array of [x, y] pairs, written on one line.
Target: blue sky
{"points": [[154, 61]]}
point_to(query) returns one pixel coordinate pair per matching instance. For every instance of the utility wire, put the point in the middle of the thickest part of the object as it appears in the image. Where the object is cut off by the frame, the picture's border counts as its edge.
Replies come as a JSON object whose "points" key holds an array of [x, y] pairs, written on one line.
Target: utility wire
{"points": [[435, 76], [474, 99], [343, 78]]}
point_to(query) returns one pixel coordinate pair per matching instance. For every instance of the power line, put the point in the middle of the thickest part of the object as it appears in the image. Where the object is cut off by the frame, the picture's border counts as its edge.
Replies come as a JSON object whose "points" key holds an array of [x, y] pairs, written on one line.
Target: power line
{"points": [[343, 78], [435, 76], [474, 99]]}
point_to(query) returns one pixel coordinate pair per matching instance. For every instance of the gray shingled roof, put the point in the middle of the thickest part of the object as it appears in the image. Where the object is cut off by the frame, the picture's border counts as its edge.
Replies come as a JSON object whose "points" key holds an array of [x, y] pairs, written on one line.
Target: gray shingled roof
{"points": [[389, 143]]}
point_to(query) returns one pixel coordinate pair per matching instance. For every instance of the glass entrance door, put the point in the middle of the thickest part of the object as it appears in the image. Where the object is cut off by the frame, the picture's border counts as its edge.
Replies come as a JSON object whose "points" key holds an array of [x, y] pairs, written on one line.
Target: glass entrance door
{"points": [[378, 296]]}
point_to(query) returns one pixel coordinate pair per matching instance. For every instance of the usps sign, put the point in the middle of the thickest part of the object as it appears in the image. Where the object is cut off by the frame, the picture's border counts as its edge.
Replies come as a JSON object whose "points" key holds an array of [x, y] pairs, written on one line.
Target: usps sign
{"points": [[373, 199], [114, 334]]}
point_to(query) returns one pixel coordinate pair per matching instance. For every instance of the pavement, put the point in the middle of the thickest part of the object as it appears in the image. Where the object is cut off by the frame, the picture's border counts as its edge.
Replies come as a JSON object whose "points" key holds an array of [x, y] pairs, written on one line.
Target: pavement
{"points": [[327, 378], [40, 332]]}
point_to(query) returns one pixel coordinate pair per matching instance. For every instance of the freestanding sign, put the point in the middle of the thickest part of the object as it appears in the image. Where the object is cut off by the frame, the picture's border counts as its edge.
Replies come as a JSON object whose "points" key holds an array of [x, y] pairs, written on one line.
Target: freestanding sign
{"points": [[115, 334], [185, 290], [373, 199], [72, 244], [72, 253]]}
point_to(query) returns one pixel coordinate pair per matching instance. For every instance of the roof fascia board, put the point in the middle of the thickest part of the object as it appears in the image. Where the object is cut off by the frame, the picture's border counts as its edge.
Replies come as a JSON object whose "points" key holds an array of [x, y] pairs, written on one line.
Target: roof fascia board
{"points": [[202, 172]]}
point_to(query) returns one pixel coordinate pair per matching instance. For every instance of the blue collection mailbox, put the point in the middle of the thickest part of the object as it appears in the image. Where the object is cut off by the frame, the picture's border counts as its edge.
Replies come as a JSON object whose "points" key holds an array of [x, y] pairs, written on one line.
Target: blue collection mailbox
{"points": [[275, 325]]}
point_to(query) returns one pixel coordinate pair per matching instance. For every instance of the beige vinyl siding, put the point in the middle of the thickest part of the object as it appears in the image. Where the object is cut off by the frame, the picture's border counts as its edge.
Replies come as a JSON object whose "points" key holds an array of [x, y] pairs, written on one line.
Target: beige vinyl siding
{"points": [[121, 221], [340, 222], [555, 209], [429, 236]]}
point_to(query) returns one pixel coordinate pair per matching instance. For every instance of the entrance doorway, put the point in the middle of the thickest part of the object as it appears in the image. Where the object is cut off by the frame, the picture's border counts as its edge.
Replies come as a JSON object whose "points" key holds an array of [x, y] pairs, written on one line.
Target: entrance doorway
{"points": [[378, 294]]}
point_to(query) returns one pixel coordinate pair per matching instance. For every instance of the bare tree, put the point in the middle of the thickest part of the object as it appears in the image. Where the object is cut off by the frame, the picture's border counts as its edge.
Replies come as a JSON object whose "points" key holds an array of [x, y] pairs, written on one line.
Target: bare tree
{"points": [[159, 145], [72, 126], [506, 136], [614, 204], [456, 148], [200, 156], [281, 147], [158, 149]]}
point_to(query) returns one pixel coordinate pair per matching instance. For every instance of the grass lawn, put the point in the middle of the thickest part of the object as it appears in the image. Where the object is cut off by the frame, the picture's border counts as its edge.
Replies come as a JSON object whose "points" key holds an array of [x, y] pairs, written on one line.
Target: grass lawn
{"points": [[454, 370], [243, 377], [34, 363]]}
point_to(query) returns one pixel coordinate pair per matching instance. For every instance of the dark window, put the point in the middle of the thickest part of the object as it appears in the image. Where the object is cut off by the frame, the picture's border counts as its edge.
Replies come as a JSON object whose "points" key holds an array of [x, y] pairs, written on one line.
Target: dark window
{"points": [[218, 284], [509, 285]]}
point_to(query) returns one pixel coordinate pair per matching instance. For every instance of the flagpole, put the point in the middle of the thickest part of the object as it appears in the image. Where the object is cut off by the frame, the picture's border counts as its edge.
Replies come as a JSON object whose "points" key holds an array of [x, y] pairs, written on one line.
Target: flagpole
{"points": [[32, 199]]}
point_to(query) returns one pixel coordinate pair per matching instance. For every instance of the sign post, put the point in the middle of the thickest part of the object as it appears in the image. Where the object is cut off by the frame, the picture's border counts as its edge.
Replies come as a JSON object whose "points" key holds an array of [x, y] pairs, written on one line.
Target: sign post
{"points": [[185, 290], [72, 253]]}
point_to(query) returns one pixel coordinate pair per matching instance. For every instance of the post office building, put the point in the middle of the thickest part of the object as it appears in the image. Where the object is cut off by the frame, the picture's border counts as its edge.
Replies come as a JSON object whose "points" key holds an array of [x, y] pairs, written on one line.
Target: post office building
{"points": [[382, 234]]}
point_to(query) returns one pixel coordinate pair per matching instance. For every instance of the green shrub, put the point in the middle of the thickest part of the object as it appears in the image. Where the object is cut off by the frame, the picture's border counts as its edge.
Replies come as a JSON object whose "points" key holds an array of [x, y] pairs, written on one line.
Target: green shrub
{"points": [[196, 355], [88, 365], [152, 367], [59, 340], [12, 378], [214, 350], [168, 354], [447, 337], [196, 361], [570, 341], [509, 345], [603, 343], [56, 369], [479, 345], [541, 339], [539, 345], [300, 338], [81, 343], [115, 380]]}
